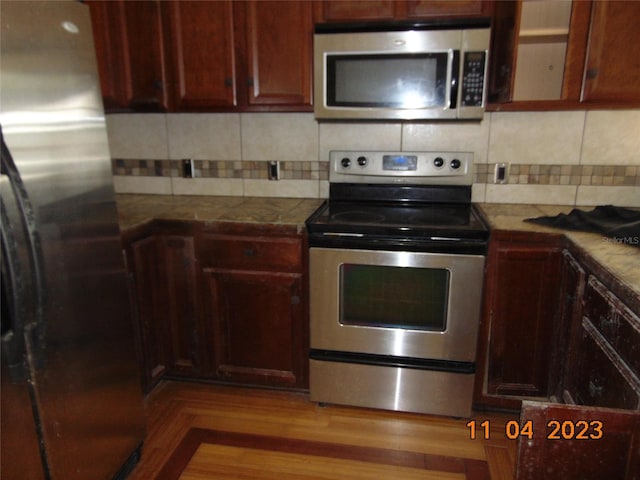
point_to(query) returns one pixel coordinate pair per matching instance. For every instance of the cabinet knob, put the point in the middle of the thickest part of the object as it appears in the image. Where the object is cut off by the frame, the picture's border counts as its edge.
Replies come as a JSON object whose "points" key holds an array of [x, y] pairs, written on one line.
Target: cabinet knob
{"points": [[595, 390], [228, 82], [592, 73], [249, 252], [158, 85], [250, 82]]}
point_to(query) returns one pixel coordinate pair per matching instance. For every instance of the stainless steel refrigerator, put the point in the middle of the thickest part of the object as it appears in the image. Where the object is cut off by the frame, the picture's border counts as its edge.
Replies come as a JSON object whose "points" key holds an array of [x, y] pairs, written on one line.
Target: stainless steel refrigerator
{"points": [[71, 400]]}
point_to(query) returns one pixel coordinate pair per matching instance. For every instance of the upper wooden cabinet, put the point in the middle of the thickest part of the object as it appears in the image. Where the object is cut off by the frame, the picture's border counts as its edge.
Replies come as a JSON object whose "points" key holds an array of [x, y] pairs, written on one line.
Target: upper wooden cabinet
{"points": [[600, 70], [202, 41], [206, 56], [131, 53], [341, 10]]}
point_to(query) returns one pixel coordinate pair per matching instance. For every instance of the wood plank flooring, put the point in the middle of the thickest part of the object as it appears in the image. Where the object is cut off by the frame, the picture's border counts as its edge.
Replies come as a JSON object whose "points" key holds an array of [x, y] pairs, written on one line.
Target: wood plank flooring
{"points": [[200, 431]]}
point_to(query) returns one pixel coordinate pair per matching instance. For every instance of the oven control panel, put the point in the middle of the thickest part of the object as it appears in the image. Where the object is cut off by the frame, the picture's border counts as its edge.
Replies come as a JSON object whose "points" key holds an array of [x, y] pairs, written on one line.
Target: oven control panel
{"points": [[432, 168]]}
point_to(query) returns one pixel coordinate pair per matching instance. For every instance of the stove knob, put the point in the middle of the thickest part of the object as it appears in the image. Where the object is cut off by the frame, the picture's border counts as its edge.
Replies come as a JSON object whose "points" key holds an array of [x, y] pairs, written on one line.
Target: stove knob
{"points": [[345, 162], [362, 161], [455, 164], [438, 162]]}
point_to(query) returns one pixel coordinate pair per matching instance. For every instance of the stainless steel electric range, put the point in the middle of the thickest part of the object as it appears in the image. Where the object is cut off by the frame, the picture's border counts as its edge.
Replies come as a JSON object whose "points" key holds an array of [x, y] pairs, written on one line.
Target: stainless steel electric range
{"points": [[397, 257]]}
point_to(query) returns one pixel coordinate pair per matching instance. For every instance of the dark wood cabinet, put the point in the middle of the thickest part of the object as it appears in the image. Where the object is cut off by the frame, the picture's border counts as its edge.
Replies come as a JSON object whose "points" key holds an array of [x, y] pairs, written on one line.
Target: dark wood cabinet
{"points": [[142, 258], [166, 288], [256, 304], [220, 303], [604, 361], [612, 68], [202, 44], [131, 53], [257, 317], [519, 314], [376, 10], [187, 334], [575, 442], [278, 53], [204, 56], [600, 71]]}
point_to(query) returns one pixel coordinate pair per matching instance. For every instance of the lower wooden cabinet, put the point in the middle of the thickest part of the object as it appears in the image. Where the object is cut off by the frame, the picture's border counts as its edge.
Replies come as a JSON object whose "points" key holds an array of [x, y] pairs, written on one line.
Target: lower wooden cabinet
{"points": [[552, 330], [226, 304], [258, 322], [521, 299]]}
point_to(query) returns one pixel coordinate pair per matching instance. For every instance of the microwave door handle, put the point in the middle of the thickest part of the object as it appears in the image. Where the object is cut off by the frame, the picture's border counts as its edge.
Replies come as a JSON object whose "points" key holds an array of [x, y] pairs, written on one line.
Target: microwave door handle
{"points": [[455, 80]]}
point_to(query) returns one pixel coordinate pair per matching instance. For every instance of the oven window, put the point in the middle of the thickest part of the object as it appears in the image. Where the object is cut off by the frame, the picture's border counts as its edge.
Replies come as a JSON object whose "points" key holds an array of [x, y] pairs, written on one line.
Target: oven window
{"points": [[396, 297], [403, 81]]}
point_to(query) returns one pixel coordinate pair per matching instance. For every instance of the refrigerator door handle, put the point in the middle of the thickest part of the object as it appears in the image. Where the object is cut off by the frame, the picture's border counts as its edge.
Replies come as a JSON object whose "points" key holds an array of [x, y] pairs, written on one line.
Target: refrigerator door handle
{"points": [[32, 325]]}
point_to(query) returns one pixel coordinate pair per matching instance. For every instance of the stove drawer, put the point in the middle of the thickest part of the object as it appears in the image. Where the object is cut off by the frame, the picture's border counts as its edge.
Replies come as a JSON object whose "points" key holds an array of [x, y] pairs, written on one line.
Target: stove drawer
{"points": [[251, 252]]}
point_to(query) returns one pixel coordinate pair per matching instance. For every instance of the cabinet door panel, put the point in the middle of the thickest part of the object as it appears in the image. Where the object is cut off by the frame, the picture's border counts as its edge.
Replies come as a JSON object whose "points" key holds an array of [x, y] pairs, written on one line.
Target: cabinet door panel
{"points": [[600, 378], [150, 311], [186, 336], [612, 72], [341, 10], [107, 20], [523, 301], [279, 52], [257, 318], [202, 46], [614, 454], [145, 55], [437, 8]]}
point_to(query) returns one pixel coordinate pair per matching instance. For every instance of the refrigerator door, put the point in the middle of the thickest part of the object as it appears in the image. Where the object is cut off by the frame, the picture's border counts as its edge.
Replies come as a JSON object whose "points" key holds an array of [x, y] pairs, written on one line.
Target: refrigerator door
{"points": [[80, 357]]}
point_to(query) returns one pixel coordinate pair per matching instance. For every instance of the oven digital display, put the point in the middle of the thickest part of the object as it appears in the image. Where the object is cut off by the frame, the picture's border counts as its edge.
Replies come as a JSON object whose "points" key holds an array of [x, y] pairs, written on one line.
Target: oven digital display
{"points": [[400, 162]]}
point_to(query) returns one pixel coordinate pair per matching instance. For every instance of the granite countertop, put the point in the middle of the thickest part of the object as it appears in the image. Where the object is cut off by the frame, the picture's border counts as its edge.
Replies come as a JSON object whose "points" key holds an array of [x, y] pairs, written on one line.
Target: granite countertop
{"points": [[134, 210], [621, 260]]}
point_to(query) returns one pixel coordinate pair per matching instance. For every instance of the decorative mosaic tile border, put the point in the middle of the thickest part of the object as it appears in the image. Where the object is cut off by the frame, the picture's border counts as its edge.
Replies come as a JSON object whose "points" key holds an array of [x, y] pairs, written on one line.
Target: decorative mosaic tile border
{"points": [[289, 170], [602, 175]]}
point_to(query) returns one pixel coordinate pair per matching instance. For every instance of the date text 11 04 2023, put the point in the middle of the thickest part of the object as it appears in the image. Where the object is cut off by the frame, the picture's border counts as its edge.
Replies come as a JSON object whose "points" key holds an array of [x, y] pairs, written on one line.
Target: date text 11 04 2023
{"points": [[555, 429]]}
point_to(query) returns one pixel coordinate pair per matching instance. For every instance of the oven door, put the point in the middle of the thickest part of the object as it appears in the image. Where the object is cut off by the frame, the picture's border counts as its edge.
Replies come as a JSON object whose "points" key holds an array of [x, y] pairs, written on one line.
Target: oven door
{"points": [[401, 304]]}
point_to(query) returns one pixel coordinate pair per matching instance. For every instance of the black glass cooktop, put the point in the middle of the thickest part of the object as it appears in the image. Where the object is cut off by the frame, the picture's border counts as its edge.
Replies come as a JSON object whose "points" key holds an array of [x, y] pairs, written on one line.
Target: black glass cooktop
{"points": [[399, 218]]}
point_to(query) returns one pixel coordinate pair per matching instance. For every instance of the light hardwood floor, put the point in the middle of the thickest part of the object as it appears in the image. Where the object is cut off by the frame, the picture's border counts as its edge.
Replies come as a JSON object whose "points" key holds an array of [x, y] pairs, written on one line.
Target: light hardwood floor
{"points": [[201, 431]]}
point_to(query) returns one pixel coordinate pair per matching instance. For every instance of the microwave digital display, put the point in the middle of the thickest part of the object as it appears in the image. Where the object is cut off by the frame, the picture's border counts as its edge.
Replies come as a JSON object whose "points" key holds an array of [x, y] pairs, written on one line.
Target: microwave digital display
{"points": [[387, 80]]}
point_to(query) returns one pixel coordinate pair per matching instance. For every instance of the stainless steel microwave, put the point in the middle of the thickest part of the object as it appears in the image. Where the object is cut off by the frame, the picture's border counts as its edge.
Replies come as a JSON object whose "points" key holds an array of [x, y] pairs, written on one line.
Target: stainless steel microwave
{"points": [[401, 71]]}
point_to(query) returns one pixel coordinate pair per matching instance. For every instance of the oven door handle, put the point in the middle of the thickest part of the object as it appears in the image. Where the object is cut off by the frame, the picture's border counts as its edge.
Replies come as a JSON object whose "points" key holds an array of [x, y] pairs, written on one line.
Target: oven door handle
{"points": [[342, 234]]}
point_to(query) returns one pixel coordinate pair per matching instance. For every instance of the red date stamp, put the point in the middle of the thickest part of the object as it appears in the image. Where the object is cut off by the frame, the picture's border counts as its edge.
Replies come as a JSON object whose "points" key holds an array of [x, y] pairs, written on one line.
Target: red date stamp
{"points": [[555, 429]]}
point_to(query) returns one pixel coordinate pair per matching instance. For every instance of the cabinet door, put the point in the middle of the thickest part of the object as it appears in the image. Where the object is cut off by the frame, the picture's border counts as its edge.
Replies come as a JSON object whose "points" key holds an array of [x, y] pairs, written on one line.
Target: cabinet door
{"points": [[107, 20], [257, 318], [523, 305], [279, 38], [612, 71], [572, 442], [568, 325], [186, 348], [144, 265], [202, 50], [341, 10]]}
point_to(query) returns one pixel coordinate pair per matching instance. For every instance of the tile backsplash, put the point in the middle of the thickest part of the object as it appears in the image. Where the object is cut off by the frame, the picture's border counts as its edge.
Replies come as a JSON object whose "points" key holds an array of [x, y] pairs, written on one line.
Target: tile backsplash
{"points": [[568, 157]]}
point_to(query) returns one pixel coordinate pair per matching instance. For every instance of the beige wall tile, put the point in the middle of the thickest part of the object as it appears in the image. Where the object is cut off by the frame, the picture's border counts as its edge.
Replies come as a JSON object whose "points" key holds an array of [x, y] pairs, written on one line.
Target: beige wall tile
{"points": [[599, 195], [204, 136], [447, 136], [358, 136], [531, 194], [478, 193], [612, 137], [153, 185], [207, 186], [141, 136], [281, 188], [279, 136], [536, 137]]}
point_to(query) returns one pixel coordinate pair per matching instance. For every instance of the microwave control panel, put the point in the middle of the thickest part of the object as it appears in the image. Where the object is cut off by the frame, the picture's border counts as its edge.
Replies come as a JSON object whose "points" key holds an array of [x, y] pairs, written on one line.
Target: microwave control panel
{"points": [[473, 79]]}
